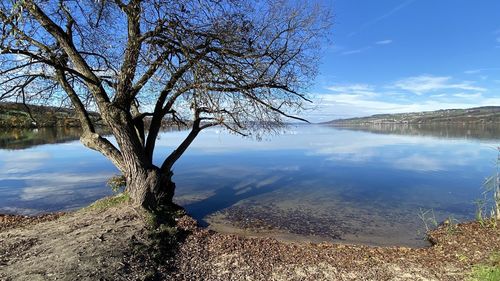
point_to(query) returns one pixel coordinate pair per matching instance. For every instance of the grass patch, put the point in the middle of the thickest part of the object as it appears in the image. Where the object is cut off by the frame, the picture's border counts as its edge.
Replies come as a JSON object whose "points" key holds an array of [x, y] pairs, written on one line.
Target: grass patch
{"points": [[489, 271], [109, 202], [162, 242]]}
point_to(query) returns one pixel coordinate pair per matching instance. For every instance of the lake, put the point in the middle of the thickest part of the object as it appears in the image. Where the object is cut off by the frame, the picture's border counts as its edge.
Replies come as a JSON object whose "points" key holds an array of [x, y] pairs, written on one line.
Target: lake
{"points": [[369, 185]]}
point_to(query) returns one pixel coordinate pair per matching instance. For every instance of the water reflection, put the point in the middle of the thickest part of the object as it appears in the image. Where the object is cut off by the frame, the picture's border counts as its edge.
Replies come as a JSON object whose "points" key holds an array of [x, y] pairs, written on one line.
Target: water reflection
{"points": [[51, 177], [317, 182], [333, 184], [481, 131]]}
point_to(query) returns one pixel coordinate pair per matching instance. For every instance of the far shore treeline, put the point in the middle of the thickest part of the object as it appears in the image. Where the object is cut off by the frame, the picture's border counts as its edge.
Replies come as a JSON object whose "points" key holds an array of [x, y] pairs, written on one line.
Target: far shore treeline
{"points": [[26, 116], [19, 115]]}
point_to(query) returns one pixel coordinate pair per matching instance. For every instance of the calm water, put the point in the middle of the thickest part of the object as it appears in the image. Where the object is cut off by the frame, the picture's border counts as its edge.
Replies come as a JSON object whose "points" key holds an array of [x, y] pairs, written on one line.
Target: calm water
{"points": [[318, 183]]}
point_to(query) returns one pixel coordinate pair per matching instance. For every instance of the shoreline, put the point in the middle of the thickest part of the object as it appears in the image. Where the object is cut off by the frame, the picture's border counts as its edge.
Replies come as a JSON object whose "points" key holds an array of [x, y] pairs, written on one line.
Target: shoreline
{"points": [[10, 221], [114, 242]]}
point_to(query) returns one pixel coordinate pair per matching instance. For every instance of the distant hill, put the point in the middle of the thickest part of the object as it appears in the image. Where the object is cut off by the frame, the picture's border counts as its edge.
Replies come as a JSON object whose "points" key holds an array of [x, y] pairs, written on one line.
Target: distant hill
{"points": [[18, 115], [477, 115]]}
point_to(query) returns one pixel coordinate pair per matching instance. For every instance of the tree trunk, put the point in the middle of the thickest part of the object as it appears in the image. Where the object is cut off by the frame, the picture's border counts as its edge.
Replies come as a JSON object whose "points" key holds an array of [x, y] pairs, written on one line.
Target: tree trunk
{"points": [[496, 197], [147, 185], [150, 188]]}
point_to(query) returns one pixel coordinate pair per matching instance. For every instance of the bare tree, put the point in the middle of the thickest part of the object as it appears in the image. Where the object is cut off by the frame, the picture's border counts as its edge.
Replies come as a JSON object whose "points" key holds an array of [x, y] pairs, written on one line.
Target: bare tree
{"points": [[238, 64]]}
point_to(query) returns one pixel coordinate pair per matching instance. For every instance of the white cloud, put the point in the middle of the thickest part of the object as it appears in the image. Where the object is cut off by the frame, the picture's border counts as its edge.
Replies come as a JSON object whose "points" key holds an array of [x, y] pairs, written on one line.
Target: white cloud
{"points": [[384, 42], [405, 95], [427, 83], [360, 102]]}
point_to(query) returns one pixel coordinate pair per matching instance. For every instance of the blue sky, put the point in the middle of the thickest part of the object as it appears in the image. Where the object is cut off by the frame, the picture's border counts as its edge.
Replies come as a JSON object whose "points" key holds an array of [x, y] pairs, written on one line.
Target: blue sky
{"points": [[389, 56]]}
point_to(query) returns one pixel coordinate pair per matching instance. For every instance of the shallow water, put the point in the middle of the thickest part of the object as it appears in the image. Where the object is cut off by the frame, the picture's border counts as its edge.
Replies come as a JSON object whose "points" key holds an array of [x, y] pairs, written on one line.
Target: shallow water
{"points": [[367, 185]]}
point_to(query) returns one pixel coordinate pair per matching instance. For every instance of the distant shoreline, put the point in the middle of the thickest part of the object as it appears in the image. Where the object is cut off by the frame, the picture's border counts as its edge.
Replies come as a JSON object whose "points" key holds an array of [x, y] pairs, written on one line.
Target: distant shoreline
{"points": [[21, 116], [477, 115]]}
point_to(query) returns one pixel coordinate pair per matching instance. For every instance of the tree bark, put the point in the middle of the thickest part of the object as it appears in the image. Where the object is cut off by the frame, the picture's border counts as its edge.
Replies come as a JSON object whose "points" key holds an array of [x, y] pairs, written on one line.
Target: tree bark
{"points": [[150, 188]]}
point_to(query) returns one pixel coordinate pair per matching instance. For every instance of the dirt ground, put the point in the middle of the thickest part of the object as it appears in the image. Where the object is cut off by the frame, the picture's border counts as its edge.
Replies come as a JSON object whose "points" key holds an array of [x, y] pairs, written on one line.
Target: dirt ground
{"points": [[113, 243]]}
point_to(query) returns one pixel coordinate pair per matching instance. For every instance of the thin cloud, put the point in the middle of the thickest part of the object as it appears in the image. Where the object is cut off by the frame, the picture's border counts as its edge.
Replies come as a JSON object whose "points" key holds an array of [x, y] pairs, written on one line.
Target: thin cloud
{"points": [[473, 71], [363, 89], [356, 51], [360, 50], [384, 42], [468, 96], [334, 48], [426, 83], [382, 17], [438, 96], [479, 70]]}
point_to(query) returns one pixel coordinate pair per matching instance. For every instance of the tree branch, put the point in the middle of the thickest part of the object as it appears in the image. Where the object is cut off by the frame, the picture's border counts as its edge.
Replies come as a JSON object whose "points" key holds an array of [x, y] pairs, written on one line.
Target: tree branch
{"points": [[124, 93], [177, 153], [67, 44]]}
